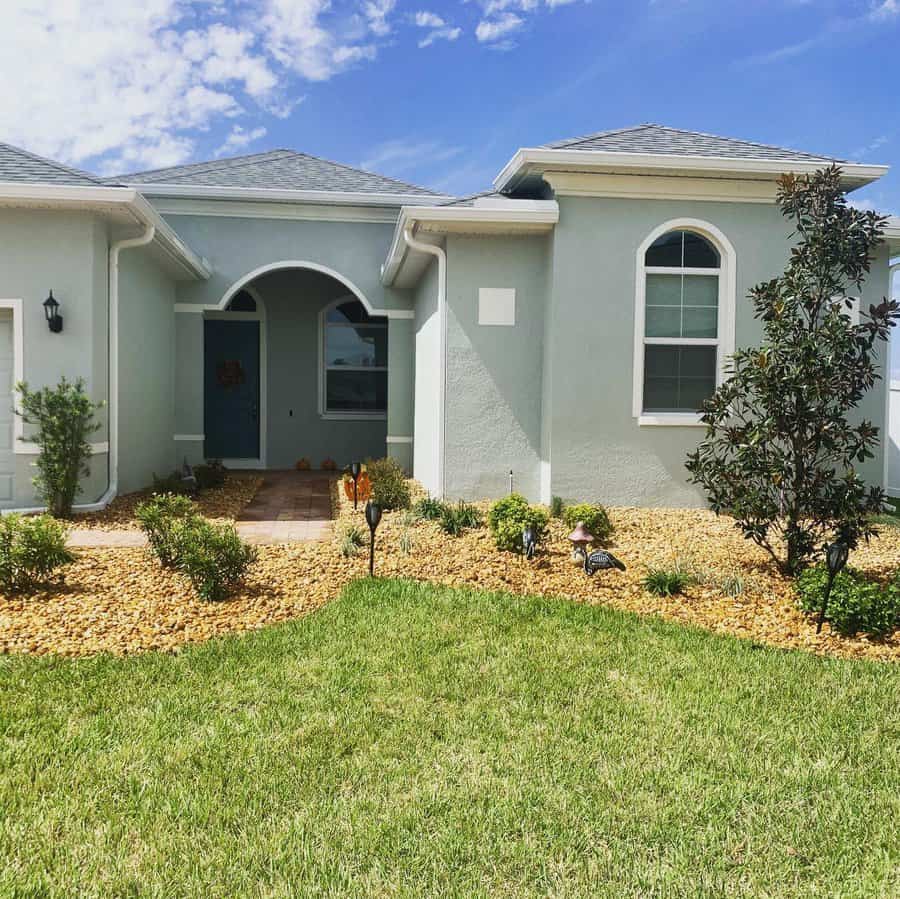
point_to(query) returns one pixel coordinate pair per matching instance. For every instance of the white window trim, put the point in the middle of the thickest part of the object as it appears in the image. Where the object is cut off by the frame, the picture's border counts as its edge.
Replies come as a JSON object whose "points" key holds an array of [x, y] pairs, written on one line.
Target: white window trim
{"points": [[324, 414], [19, 447], [727, 273]]}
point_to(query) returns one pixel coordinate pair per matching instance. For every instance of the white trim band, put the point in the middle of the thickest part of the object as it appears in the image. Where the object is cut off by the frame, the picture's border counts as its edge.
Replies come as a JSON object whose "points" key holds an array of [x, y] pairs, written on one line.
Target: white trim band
{"points": [[390, 439], [193, 438], [27, 448]]}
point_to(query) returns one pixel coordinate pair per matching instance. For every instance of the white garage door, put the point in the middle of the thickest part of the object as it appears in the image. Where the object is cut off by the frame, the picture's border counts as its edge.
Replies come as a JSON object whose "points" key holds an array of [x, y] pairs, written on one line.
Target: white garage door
{"points": [[7, 388]]}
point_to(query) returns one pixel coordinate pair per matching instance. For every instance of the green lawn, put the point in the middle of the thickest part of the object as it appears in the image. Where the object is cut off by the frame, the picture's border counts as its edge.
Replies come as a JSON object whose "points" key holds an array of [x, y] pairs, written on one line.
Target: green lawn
{"points": [[412, 741]]}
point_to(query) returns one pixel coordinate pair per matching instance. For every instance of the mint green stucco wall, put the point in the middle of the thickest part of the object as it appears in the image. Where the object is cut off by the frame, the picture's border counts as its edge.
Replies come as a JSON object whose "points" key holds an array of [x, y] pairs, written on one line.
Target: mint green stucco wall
{"points": [[146, 370], [66, 252]]}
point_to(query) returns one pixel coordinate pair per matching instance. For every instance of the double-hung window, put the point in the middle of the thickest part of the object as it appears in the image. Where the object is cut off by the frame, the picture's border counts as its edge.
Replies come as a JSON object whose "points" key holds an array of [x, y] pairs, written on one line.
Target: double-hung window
{"points": [[354, 382]]}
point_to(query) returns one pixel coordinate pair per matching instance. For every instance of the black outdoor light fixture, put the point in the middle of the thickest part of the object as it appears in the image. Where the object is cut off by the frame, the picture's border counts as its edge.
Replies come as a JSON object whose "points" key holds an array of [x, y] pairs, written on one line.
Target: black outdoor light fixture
{"points": [[373, 517], [836, 555], [51, 313], [355, 471]]}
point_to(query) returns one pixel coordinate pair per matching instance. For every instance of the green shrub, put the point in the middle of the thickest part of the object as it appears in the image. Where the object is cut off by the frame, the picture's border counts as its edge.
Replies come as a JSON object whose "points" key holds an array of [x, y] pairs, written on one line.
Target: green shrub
{"points": [[455, 519], [429, 508], [30, 550], [352, 541], [594, 517], [157, 517], [557, 507], [210, 475], [390, 489], [509, 516], [406, 542], [174, 485], [667, 581], [856, 603], [64, 418], [213, 556]]}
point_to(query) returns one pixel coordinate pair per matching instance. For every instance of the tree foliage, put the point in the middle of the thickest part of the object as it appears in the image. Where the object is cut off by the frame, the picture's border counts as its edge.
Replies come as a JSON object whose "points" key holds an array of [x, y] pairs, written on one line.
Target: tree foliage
{"points": [[782, 440]]}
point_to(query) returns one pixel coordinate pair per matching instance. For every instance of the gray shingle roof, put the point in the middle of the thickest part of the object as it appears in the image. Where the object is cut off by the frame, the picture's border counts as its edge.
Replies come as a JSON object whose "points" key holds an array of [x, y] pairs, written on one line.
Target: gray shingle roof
{"points": [[276, 170], [20, 166], [650, 138]]}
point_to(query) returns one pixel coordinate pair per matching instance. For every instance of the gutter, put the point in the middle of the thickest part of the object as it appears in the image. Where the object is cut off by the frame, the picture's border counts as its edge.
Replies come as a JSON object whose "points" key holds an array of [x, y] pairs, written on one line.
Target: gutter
{"points": [[441, 256]]}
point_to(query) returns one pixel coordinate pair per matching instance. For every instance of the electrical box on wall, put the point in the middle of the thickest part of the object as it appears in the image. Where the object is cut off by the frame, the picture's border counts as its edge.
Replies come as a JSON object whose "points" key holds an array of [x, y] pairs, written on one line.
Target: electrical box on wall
{"points": [[496, 306]]}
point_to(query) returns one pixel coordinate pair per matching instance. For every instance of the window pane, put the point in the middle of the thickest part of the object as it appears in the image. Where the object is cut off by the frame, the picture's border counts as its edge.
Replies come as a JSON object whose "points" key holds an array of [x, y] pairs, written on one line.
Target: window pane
{"points": [[663, 321], [698, 322], [353, 312], [356, 391], [664, 290], [678, 378], [665, 250], [356, 346], [699, 290], [243, 302], [699, 252]]}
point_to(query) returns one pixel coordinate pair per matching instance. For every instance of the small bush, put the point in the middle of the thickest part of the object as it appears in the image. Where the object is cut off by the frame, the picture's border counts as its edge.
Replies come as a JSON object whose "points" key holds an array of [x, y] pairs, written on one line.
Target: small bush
{"points": [[509, 516], [594, 517], [429, 508], [213, 556], [557, 507], [156, 518], [30, 550], [667, 581], [856, 604], [352, 541], [389, 487], [455, 519], [174, 485], [210, 475], [406, 542]]}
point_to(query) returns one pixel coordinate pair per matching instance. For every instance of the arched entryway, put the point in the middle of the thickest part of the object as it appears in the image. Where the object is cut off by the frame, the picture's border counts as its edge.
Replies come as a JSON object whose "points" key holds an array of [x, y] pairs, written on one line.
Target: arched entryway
{"points": [[295, 367]]}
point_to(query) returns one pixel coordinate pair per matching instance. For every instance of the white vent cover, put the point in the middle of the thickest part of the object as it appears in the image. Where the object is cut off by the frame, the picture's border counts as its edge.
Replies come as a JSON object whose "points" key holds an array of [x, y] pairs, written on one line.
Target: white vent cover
{"points": [[496, 306]]}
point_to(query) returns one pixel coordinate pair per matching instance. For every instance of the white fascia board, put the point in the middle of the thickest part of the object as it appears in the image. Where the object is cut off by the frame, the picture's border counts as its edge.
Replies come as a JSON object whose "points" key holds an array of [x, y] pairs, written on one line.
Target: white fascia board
{"points": [[343, 198], [104, 197], [507, 212], [602, 160], [892, 234]]}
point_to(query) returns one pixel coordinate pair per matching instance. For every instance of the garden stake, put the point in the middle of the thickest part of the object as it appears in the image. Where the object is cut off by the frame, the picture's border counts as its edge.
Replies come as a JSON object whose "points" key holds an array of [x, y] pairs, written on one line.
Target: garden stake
{"points": [[355, 470], [373, 516], [835, 558]]}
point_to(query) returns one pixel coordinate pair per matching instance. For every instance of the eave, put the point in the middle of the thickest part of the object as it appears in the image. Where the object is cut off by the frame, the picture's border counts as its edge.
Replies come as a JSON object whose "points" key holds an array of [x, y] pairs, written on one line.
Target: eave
{"points": [[532, 162], [486, 217]]}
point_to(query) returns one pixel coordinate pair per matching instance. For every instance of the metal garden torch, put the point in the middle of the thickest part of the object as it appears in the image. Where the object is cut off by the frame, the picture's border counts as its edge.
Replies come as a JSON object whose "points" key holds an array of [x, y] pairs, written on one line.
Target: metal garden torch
{"points": [[355, 471], [836, 555], [373, 517]]}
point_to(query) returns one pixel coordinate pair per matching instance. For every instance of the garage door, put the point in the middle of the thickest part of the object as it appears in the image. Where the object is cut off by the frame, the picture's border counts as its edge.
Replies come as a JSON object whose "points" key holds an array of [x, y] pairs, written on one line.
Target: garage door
{"points": [[7, 387]]}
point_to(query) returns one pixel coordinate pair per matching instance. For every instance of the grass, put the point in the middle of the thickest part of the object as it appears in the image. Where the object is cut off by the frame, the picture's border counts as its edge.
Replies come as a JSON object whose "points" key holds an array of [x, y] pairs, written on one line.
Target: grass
{"points": [[413, 741]]}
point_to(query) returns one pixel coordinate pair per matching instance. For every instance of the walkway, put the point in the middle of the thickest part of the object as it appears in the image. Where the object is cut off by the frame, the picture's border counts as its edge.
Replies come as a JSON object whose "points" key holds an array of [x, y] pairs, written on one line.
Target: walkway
{"points": [[290, 507]]}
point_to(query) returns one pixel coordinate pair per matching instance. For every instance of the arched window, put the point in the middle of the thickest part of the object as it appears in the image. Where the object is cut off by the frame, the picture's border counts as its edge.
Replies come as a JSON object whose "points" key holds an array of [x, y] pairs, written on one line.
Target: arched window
{"points": [[684, 322], [354, 353]]}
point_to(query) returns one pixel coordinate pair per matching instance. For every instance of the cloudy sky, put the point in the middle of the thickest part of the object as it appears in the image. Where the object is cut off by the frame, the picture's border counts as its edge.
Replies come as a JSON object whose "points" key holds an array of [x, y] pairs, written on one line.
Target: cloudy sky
{"points": [[442, 93]]}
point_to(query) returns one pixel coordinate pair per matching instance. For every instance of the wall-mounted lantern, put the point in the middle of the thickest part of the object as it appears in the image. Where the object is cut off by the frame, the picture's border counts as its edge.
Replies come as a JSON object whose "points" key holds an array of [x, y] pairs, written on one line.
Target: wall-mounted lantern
{"points": [[51, 313]]}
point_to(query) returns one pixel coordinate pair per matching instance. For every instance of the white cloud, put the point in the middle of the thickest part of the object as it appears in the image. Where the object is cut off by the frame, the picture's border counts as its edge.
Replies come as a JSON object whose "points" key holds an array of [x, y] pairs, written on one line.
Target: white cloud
{"points": [[885, 9], [402, 155], [425, 19], [240, 138], [440, 34], [377, 11], [494, 29], [871, 147]]}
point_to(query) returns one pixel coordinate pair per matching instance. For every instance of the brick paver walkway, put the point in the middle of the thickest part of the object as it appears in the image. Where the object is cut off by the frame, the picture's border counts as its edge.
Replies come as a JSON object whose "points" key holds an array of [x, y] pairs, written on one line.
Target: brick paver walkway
{"points": [[290, 507]]}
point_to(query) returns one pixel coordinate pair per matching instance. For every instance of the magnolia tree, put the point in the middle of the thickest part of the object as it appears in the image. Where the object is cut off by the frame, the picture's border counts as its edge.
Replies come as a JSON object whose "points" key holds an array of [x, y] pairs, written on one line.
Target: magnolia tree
{"points": [[782, 439]]}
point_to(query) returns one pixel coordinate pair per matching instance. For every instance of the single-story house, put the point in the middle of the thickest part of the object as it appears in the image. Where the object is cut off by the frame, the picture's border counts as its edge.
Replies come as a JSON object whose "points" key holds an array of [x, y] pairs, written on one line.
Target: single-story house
{"points": [[558, 331]]}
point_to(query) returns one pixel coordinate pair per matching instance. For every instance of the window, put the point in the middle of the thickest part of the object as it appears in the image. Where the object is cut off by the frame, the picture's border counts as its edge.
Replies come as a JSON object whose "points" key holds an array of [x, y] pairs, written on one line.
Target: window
{"points": [[684, 323], [354, 380]]}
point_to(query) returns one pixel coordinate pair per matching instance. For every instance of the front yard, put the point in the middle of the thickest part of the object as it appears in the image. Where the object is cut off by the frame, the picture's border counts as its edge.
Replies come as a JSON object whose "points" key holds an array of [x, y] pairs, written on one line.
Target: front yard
{"points": [[410, 740]]}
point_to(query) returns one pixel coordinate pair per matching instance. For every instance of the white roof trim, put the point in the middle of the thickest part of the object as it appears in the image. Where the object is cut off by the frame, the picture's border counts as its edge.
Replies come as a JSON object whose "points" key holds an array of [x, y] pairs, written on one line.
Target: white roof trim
{"points": [[525, 213], [592, 160], [344, 198], [892, 233], [104, 197]]}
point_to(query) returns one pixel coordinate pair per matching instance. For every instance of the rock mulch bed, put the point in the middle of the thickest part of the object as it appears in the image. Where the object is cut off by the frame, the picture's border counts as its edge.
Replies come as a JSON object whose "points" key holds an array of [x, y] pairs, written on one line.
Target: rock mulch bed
{"points": [[223, 503], [120, 601]]}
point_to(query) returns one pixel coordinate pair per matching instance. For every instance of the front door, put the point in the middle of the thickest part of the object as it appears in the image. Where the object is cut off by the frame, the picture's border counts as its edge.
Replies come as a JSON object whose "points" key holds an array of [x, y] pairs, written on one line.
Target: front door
{"points": [[231, 389]]}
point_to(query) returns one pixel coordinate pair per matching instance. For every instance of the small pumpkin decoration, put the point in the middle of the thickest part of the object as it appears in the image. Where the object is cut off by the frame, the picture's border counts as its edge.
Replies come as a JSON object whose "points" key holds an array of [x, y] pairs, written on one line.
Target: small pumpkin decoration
{"points": [[363, 486], [302, 464], [329, 464]]}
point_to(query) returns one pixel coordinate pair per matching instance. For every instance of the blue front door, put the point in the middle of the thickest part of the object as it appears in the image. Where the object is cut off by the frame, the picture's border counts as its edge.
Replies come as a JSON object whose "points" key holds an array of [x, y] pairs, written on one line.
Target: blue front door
{"points": [[231, 389]]}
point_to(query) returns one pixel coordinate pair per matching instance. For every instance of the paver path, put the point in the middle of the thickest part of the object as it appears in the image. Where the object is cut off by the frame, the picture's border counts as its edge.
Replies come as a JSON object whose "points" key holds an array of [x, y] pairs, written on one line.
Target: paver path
{"points": [[290, 507]]}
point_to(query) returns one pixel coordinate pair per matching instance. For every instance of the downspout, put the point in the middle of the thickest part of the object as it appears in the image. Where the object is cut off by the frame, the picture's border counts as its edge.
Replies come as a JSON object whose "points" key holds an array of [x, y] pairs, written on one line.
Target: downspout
{"points": [[893, 270], [441, 256]]}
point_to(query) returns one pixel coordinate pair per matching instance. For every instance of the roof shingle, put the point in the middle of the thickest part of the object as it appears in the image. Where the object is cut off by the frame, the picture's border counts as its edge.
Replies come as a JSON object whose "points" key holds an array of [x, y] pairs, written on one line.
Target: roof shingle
{"points": [[651, 138], [22, 167], [276, 170]]}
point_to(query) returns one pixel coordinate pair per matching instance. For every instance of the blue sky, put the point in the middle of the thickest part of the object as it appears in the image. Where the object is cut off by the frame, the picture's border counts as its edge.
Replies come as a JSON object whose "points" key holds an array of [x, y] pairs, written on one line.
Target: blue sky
{"points": [[442, 94]]}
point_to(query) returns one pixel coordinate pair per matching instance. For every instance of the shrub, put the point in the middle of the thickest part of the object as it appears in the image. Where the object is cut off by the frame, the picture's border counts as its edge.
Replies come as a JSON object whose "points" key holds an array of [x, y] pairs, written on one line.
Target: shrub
{"points": [[594, 517], [64, 417], [509, 516], [557, 507], [856, 603], [406, 542], [389, 487], [213, 556], [157, 517], [352, 541], [211, 474], [455, 519], [174, 485], [429, 508], [667, 581], [30, 550]]}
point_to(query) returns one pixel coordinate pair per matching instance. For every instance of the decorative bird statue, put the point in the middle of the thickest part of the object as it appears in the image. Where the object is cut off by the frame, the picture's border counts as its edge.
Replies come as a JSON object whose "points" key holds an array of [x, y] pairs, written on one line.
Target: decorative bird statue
{"points": [[529, 541], [599, 560]]}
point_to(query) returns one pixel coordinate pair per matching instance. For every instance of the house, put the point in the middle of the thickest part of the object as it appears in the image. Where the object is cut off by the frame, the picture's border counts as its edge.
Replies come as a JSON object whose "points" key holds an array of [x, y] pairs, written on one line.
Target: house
{"points": [[559, 330]]}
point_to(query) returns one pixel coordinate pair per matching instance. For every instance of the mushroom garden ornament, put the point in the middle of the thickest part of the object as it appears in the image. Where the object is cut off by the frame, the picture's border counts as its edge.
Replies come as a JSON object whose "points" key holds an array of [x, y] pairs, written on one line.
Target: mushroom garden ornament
{"points": [[581, 538]]}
